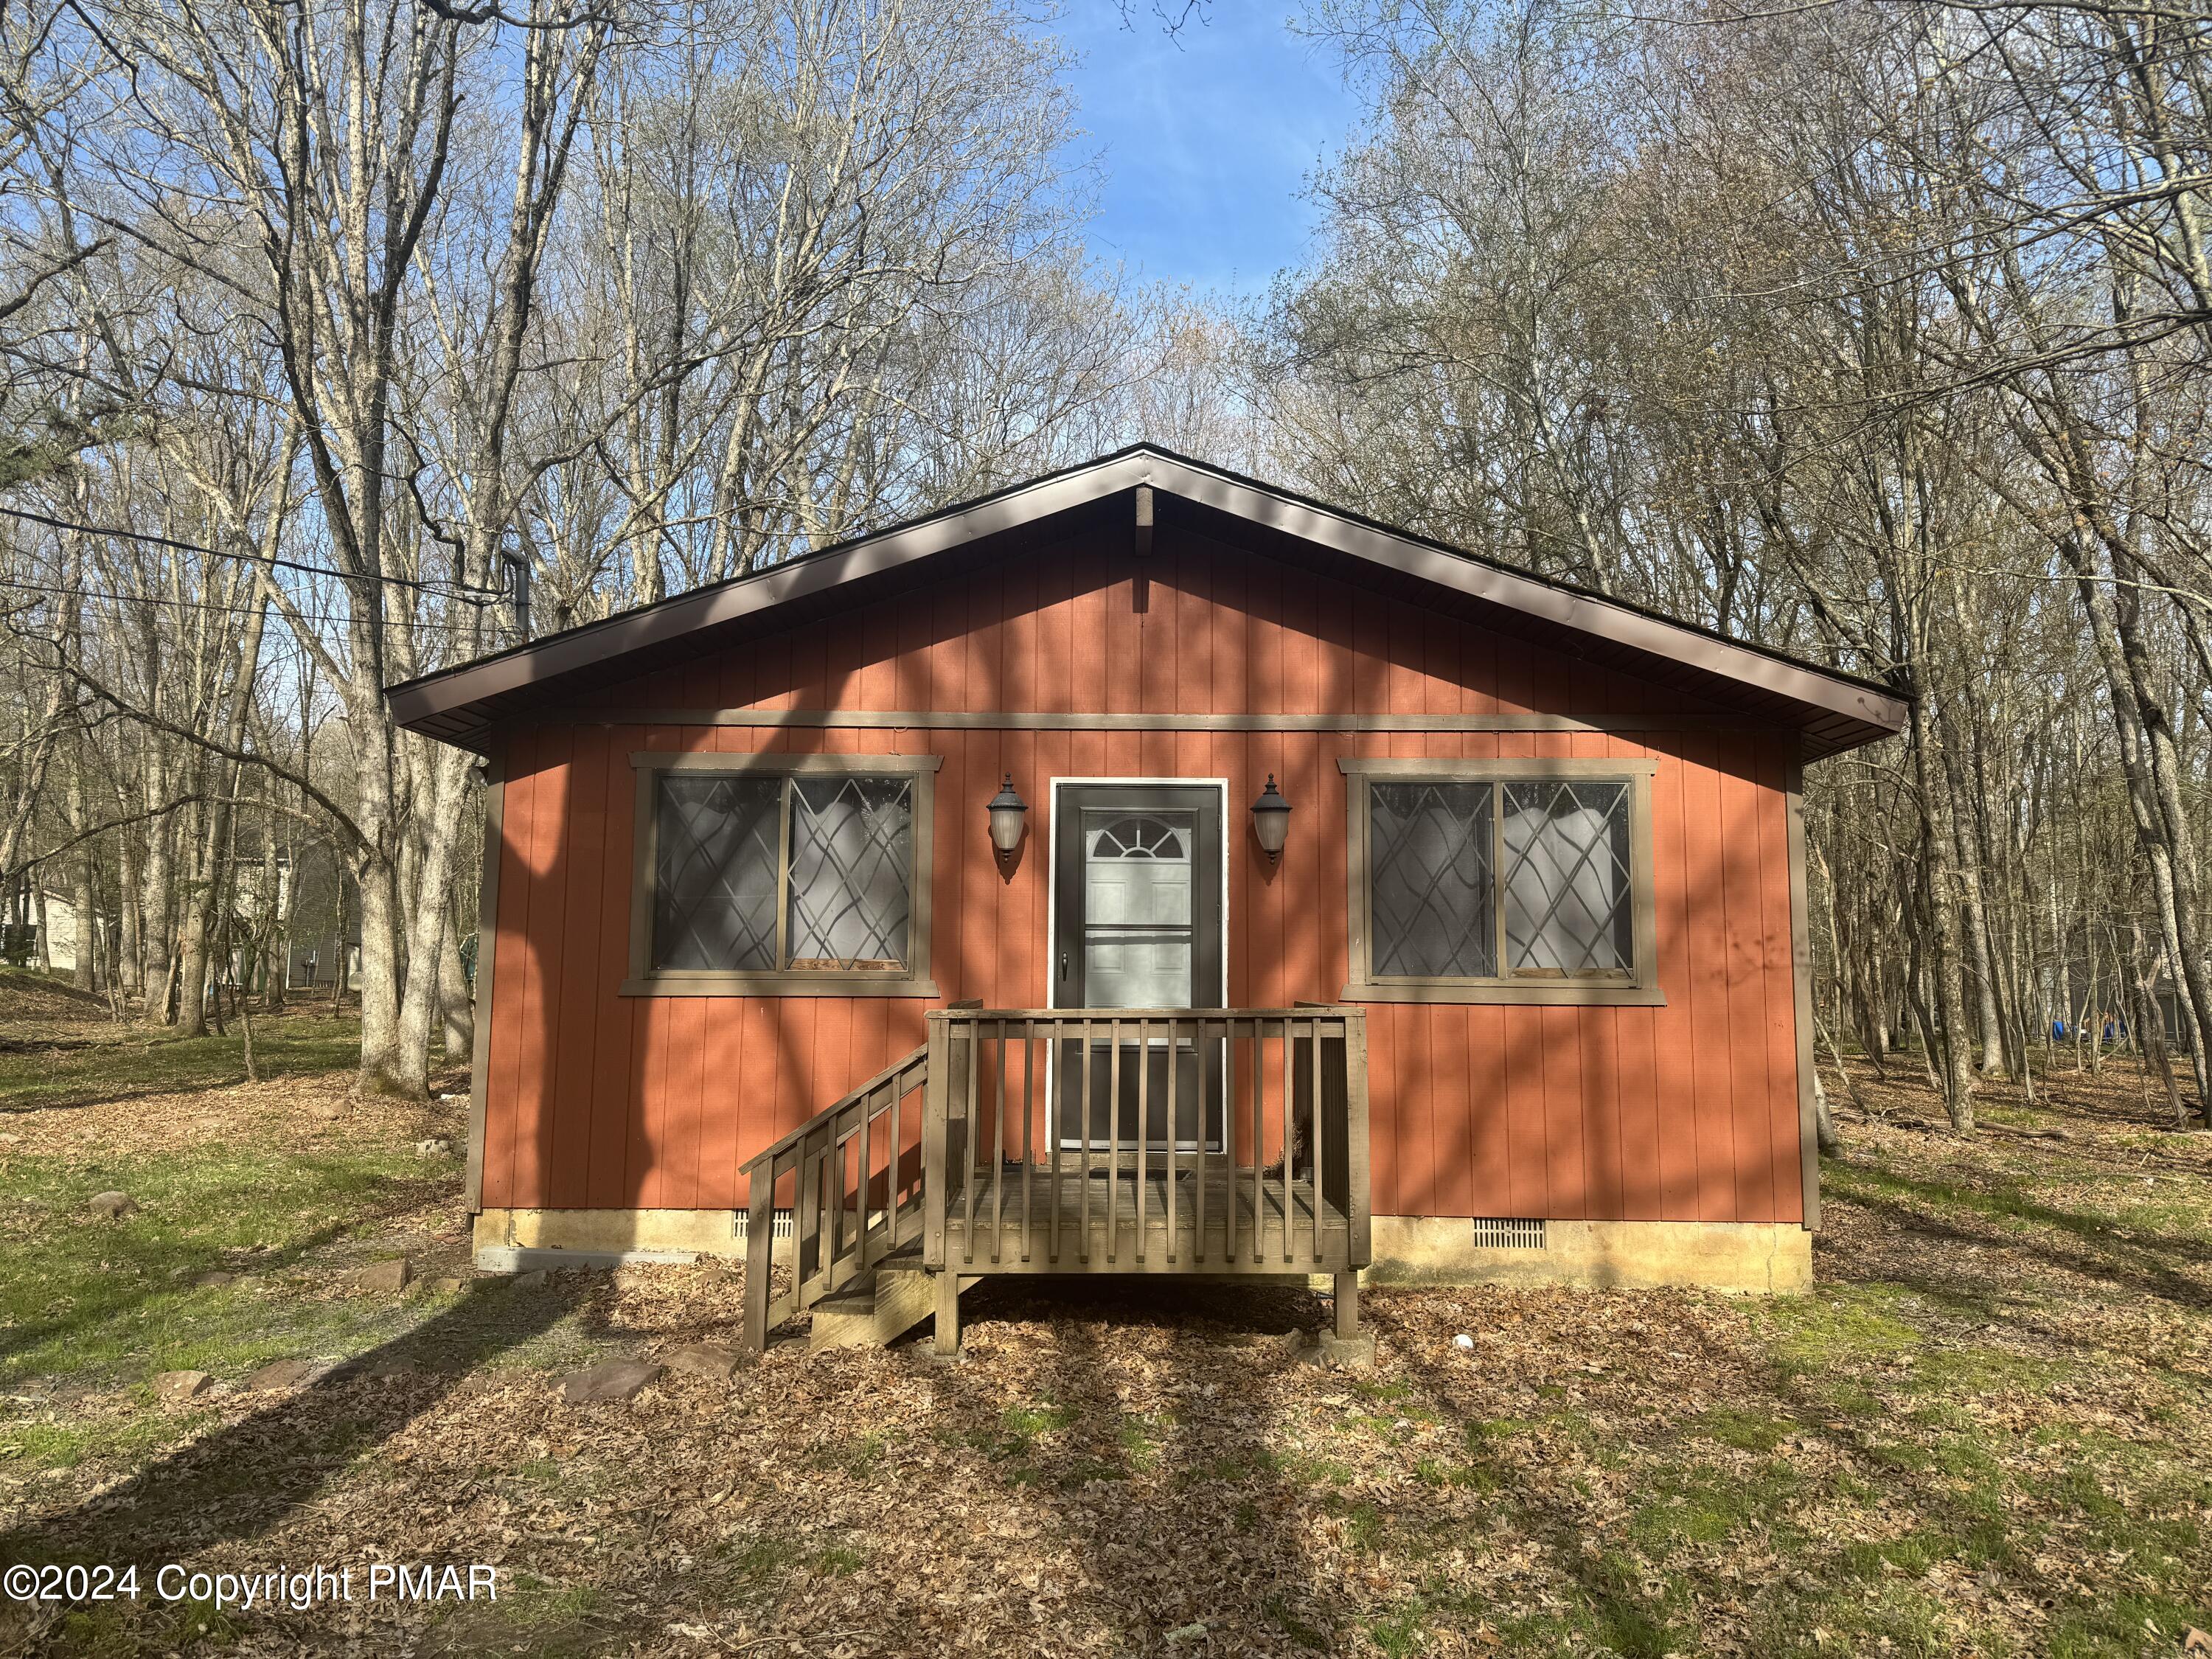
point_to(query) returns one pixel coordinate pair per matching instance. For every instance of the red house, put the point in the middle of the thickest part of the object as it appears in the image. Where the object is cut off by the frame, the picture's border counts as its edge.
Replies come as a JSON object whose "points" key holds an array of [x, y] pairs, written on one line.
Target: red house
{"points": [[1144, 869]]}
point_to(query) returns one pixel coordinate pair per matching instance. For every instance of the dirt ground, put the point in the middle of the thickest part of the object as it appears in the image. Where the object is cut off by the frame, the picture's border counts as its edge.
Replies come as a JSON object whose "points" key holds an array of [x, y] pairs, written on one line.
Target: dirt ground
{"points": [[1986, 1432]]}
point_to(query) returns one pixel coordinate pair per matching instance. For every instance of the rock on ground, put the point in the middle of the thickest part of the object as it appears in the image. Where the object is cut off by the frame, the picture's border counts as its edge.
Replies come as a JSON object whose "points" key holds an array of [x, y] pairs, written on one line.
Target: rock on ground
{"points": [[281, 1374], [391, 1275], [532, 1280], [610, 1379], [707, 1359], [172, 1386]]}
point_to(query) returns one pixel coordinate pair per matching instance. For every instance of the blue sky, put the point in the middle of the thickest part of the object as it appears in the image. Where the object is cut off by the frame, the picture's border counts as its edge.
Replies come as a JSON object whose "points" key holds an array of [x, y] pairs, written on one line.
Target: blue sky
{"points": [[1205, 138]]}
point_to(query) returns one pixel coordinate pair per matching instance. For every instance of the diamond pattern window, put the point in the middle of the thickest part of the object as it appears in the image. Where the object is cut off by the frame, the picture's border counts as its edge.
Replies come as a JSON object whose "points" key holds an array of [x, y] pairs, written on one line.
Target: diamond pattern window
{"points": [[759, 872], [714, 875], [851, 851], [1567, 909], [1504, 881], [1432, 909]]}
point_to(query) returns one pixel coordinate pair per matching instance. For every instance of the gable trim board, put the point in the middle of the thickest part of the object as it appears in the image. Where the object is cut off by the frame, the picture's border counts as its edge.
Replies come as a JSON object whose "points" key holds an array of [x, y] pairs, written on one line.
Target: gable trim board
{"points": [[1832, 710], [915, 719]]}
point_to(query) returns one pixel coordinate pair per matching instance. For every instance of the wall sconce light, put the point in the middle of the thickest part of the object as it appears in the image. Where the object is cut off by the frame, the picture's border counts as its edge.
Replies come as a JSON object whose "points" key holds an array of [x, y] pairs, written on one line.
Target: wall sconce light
{"points": [[1007, 810], [1271, 819]]}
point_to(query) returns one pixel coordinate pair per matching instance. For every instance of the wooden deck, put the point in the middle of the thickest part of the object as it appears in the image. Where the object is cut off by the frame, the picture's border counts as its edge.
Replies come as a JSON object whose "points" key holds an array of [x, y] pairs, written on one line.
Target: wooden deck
{"points": [[950, 1158], [1227, 1221]]}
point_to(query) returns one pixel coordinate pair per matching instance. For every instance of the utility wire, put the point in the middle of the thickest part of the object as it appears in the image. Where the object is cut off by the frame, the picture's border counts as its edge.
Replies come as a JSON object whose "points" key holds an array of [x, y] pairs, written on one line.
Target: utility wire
{"points": [[217, 553], [51, 590]]}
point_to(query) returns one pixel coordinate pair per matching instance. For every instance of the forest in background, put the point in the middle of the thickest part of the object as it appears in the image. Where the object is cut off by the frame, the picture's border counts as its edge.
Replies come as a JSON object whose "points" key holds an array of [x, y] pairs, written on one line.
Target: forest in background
{"points": [[1873, 330]]}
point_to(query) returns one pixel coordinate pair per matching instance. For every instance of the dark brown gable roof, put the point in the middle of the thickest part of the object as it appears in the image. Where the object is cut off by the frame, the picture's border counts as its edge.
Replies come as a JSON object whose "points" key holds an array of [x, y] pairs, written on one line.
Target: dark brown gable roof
{"points": [[1834, 711]]}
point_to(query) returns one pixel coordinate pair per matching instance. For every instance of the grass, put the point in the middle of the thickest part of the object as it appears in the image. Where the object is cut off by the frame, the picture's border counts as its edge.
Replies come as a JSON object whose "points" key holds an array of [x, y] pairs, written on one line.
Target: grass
{"points": [[1985, 1430], [118, 1064], [103, 1302]]}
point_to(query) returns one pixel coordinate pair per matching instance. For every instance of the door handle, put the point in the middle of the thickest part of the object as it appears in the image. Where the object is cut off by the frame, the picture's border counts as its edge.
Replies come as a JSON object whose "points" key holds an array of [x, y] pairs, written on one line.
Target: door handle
{"points": [[1063, 964]]}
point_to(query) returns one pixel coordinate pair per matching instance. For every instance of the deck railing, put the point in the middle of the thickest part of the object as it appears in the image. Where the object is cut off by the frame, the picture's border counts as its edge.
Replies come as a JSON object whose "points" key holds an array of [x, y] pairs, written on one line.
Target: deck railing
{"points": [[1162, 1139], [1044, 1140]]}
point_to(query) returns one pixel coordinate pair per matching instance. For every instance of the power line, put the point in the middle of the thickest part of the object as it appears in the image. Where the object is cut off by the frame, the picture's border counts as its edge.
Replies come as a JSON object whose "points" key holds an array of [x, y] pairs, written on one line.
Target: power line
{"points": [[51, 590], [148, 537]]}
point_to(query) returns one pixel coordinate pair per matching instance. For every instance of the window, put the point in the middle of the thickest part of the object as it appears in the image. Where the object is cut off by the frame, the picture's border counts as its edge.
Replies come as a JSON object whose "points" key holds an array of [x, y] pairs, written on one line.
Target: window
{"points": [[791, 874], [715, 843], [1434, 909], [1501, 881], [1567, 909]]}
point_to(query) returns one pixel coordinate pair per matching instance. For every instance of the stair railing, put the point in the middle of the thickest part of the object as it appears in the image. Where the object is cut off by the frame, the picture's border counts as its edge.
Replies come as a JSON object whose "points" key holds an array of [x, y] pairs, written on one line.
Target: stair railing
{"points": [[855, 1185]]}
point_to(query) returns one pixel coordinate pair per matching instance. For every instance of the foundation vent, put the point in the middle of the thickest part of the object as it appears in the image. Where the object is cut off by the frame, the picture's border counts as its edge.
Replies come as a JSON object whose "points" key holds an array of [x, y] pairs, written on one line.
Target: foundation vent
{"points": [[1494, 1232], [779, 1225]]}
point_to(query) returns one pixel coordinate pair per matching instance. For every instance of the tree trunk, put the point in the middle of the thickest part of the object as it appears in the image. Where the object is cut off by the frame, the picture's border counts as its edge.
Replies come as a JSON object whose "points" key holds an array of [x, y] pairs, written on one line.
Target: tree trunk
{"points": [[130, 935], [84, 890], [2150, 764], [457, 1012], [193, 947], [421, 1003], [385, 1069], [156, 894], [275, 920], [1955, 1062], [2149, 1018]]}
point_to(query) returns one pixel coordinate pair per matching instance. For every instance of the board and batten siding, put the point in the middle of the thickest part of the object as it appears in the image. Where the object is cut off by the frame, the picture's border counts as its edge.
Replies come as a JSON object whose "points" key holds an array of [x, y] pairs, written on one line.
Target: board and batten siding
{"points": [[1689, 1112]]}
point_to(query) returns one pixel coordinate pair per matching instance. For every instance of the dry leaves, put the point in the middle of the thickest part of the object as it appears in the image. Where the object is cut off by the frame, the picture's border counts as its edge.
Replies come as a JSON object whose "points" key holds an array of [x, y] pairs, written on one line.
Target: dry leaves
{"points": [[1124, 1467]]}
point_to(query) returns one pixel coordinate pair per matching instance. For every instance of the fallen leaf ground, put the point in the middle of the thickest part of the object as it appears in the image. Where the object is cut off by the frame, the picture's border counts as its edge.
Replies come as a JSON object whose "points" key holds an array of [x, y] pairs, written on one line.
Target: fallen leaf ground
{"points": [[1987, 1431]]}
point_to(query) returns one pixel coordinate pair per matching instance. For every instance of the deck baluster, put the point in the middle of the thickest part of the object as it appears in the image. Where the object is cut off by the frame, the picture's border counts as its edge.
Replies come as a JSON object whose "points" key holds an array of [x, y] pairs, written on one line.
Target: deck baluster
{"points": [[1228, 1139], [1290, 1120], [1198, 1235], [998, 1143], [897, 1152], [1144, 1124], [1028, 1118], [1174, 1134], [867, 1171], [971, 1151], [1083, 1175], [1259, 1141], [1315, 1133], [1055, 1130], [1113, 1138]]}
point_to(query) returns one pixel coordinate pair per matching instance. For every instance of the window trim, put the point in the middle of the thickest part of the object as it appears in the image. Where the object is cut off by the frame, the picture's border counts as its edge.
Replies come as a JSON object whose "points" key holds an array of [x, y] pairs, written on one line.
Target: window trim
{"points": [[913, 981], [1637, 989]]}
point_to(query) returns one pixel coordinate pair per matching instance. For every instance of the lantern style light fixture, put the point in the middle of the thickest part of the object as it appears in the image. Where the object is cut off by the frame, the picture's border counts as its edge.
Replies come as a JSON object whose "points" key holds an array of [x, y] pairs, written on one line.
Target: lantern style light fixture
{"points": [[1271, 819], [1007, 810]]}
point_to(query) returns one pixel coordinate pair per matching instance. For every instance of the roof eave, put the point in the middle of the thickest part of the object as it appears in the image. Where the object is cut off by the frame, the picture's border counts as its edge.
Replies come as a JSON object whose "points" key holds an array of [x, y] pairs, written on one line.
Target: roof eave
{"points": [[1839, 712]]}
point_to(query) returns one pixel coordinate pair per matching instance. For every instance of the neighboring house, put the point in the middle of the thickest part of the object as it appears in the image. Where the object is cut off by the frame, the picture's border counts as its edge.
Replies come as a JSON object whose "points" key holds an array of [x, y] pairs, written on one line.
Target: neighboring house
{"points": [[324, 908], [2101, 1001], [1524, 991], [64, 932], [310, 962]]}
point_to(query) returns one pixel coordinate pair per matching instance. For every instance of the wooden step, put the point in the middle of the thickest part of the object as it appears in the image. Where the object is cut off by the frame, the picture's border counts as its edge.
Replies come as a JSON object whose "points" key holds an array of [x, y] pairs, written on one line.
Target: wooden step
{"points": [[878, 1308]]}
